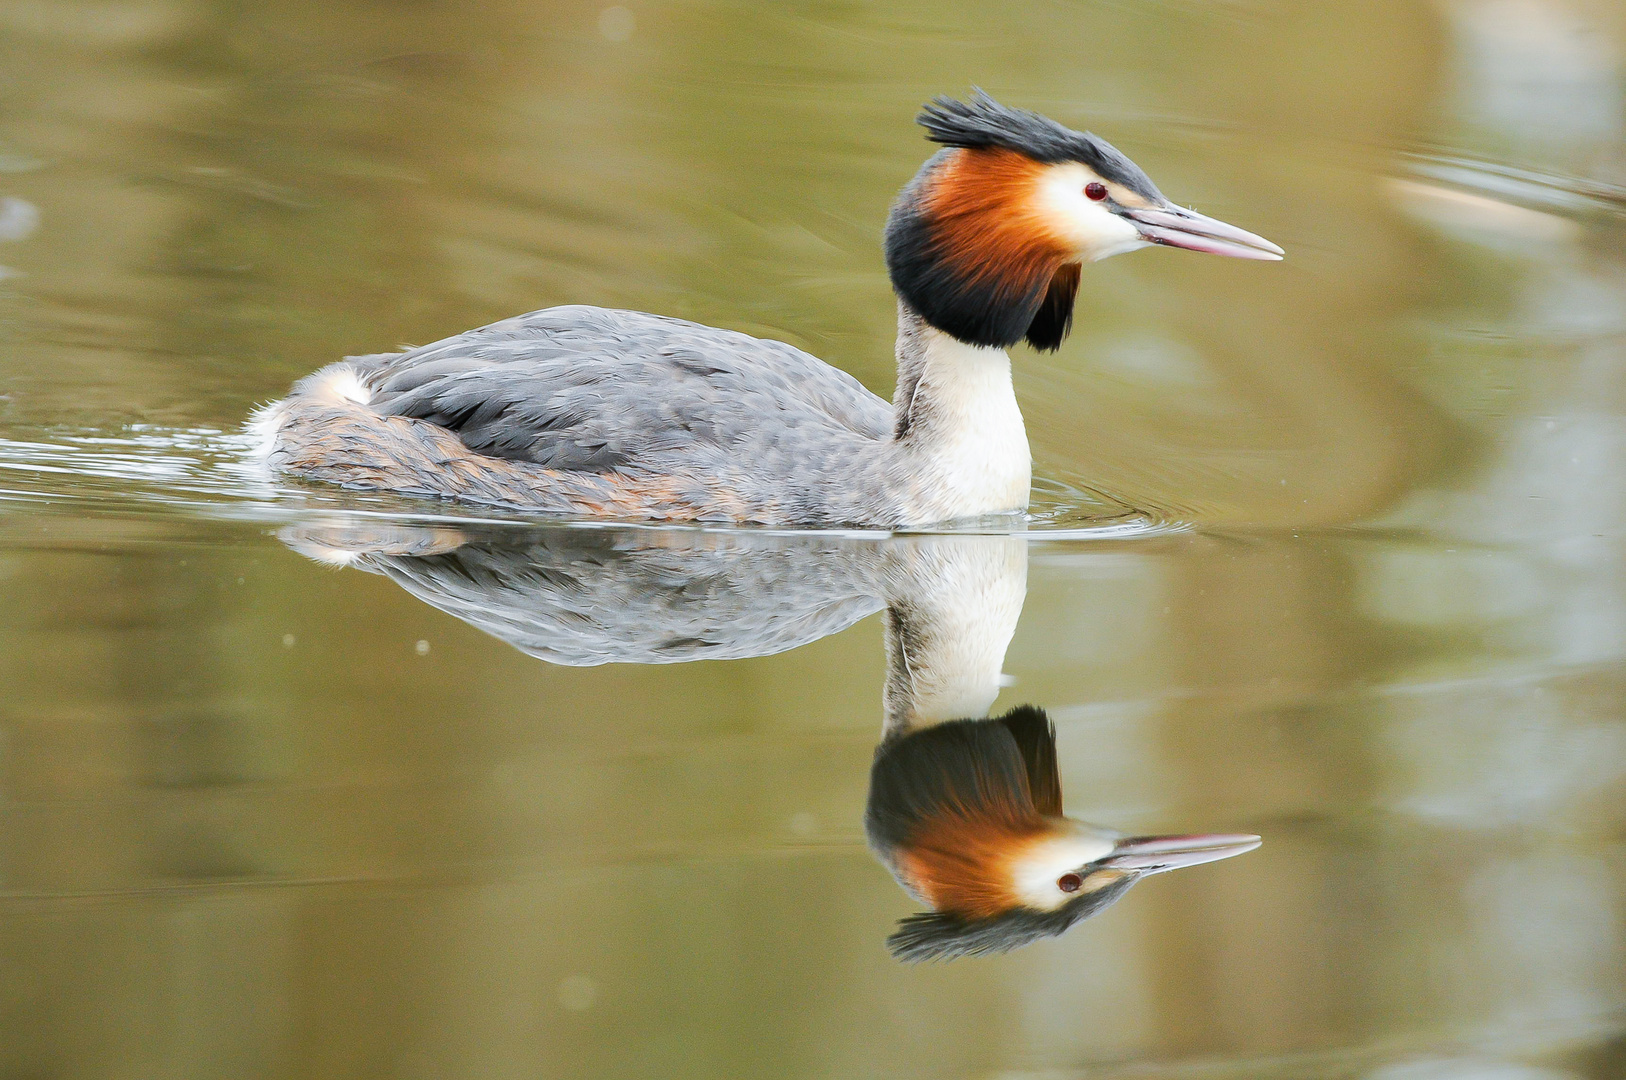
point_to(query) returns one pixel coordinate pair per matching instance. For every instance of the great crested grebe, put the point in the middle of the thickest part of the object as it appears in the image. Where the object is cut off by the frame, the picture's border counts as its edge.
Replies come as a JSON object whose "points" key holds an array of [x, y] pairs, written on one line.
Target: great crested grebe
{"points": [[592, 412]]}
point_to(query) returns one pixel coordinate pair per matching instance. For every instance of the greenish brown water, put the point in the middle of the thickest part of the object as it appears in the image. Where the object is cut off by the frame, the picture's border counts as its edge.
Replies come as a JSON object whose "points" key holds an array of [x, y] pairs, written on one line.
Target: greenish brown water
{"points": [[1346, 570]]}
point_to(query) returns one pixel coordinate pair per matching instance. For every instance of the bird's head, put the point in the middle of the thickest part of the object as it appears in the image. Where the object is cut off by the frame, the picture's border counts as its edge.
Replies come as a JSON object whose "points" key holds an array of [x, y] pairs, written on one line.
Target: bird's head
{"points": [[967, 815], [987, 241]]}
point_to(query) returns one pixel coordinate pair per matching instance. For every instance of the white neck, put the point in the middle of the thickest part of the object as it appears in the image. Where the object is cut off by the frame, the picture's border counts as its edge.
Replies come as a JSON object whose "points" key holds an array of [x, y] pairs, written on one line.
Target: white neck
{"points": [[956, 419], [952, 606]]}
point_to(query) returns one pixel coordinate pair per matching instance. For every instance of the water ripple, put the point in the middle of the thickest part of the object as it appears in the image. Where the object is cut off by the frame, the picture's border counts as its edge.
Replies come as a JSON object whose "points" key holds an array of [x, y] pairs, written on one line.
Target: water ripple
{"points": [[209, 473], [1572, 195]]}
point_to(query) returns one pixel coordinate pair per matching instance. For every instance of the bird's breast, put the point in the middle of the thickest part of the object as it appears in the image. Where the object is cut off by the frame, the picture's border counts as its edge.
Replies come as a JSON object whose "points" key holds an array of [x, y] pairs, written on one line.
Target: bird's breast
{"points": [[967, 438]]}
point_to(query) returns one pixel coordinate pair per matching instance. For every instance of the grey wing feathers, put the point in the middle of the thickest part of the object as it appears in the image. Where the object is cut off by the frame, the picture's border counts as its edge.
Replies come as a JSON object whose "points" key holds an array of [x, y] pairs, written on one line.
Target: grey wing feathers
{"points": [[593, 389]]}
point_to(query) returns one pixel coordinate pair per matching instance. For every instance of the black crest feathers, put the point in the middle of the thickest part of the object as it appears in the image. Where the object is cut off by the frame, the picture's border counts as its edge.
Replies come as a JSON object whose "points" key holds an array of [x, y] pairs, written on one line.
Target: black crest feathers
{"points": [[983, 123], [963, 248], [940, 935]]}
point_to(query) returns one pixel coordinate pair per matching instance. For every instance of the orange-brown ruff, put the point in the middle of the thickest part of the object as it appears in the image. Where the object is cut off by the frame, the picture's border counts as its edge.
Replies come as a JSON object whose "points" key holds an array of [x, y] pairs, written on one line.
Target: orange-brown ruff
{"points": [[952, 808], [994, 230], [590, 412], [963, 863]]}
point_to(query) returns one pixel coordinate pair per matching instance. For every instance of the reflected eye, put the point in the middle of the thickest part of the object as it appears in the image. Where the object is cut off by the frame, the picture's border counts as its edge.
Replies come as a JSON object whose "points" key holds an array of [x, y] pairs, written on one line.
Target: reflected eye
{"points": [[1096, 192], [1069, 883]]}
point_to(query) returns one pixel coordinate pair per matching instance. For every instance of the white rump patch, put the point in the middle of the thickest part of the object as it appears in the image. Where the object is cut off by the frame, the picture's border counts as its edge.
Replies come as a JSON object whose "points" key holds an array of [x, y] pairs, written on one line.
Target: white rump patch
{"points": [[263, 425], [332, 385], [342, 381], [317, 551]]}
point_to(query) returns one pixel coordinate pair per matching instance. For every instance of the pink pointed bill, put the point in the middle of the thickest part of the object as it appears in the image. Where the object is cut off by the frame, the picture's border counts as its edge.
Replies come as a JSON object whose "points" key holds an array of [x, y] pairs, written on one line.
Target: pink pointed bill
{"points": [[1173, 226], [1155, 854]]}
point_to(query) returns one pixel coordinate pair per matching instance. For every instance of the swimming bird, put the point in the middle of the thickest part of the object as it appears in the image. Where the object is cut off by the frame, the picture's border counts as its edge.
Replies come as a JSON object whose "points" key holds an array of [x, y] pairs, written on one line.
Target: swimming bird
{"points": [[591, 412], [967, 815]]}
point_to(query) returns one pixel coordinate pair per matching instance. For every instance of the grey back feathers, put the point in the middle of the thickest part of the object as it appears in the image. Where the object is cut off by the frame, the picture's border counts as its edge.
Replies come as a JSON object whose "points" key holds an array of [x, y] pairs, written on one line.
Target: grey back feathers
{"points": [[630, 415], [595, 389]]}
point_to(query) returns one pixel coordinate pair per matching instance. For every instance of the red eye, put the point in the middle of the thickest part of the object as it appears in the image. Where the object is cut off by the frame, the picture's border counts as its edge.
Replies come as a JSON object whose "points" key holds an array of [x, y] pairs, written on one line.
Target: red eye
{"points": [[1070, 882], [1095, 191]]}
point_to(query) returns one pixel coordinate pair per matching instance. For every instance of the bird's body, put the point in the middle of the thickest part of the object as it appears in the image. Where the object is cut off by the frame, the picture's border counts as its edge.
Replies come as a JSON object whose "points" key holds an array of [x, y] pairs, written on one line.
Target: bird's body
{"points": [[594, 412], [591, 412]]}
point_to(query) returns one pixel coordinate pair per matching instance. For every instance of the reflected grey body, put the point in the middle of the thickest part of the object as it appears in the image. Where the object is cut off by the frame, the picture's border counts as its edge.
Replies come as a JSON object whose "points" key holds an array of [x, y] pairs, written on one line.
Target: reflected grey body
{"points": [[583, 597], [588, 411]]}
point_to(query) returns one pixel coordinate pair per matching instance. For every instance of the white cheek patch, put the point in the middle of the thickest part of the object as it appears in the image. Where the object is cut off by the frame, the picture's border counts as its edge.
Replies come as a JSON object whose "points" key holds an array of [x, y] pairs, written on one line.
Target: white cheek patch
{"points": [[1034, 875], [1093, 231]]}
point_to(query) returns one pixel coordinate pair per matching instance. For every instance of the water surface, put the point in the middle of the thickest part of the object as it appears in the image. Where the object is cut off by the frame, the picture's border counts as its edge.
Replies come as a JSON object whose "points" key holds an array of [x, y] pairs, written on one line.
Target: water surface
{"points": [[1328, 550]]}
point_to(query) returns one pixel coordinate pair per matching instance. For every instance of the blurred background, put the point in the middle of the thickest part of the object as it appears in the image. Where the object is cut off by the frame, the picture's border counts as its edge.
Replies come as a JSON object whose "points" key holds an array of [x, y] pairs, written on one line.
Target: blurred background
{"points": [[264, 818]]}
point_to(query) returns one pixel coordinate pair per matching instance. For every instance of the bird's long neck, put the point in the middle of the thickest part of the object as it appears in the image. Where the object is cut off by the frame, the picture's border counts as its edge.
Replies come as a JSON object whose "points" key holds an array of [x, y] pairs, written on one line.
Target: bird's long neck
{"points": [[955, 418], [952, 606]]}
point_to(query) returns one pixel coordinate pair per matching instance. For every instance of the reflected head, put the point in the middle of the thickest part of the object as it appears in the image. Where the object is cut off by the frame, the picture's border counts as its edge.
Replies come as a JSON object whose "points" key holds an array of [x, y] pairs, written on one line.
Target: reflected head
{"points": [[967, 816]]}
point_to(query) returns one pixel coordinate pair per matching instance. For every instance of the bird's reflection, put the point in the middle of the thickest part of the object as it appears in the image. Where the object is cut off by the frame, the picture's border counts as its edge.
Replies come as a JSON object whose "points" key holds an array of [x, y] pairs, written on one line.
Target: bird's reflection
{"points": [[965, 812], [583, 597], [967, 815]]}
